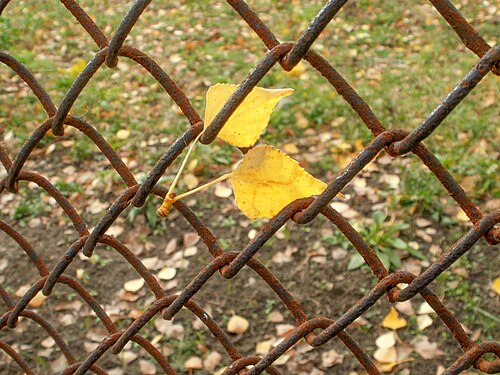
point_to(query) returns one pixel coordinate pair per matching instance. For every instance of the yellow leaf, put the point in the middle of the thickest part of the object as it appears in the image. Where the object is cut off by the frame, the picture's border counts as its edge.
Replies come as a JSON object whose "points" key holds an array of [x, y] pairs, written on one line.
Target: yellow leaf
{"points": [[495, 285], [297, 70], [77, 68], [393, 321], [267, 180], [247, 123], [237, 324]]}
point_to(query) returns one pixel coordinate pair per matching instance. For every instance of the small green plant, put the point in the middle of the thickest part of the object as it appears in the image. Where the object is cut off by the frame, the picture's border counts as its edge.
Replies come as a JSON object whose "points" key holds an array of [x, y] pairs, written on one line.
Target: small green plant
{"points": [[384, 237], [30, 206]]}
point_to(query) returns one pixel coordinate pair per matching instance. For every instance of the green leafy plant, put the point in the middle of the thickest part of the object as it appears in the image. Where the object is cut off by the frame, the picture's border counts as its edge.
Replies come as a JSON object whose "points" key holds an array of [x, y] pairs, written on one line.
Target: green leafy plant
{"points": [[383, 236]]}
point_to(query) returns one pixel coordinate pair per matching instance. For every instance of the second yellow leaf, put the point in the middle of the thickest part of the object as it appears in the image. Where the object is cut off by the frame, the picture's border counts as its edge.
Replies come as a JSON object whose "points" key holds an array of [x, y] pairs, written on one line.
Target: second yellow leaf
{"points": [[267, 180]]}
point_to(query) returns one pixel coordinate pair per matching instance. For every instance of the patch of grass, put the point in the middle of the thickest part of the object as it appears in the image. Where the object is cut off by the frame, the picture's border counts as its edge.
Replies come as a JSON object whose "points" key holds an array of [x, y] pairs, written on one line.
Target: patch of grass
{"points": [[30, 206]]}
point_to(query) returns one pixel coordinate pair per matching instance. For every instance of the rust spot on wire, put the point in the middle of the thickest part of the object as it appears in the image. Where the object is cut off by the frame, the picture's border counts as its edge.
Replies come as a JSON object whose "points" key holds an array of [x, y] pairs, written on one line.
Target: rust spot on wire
{"points": [[315, 330]]}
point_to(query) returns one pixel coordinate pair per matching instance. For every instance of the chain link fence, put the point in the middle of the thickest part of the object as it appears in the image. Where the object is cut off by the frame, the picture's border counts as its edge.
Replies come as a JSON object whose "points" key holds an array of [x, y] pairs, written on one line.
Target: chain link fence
{"points": [[315, 330]]}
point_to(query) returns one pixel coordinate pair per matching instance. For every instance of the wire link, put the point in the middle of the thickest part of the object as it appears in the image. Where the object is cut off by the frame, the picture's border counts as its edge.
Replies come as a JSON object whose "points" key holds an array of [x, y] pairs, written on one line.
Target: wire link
{"points": [[317, 330]]}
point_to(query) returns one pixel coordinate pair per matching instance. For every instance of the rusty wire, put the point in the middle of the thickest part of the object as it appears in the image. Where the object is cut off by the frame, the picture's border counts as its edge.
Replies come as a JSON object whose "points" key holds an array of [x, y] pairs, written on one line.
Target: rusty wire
{"points": [[316, 331]]}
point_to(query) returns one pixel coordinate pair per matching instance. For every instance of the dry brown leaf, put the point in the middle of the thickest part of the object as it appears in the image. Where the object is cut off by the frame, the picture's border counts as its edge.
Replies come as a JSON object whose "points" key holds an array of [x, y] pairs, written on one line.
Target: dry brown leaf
{"points": [[38, 300], [47, 343], [223, 190], [330, 358], [59, 364], [386, 340], [190, 251], [169, 329], [283, 329], [386, 355], [275, 317], [147, 367], [393, 321], [425, 308], [167, 273], [405, 307], [237, 324], [193, 363], [424, 321], [190, 239], [283, 359], [150, 263], [171, 246], [133, 285], [263, 347], [212, 361], [290, 148], [128, 356], [190, 180], [425, 348], [115, 230]]}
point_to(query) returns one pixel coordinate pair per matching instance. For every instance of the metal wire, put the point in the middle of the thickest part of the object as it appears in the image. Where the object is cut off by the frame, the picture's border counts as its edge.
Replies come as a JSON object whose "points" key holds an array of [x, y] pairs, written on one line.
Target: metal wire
{"points": [[317, 330]]}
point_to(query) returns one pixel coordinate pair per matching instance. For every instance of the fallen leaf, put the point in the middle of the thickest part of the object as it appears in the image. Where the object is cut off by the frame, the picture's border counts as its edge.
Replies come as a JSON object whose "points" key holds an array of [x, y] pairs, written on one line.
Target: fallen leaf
{"points": [[123, 134], [275, 317], [147, 367], [495, 285], [169, 329], [297, 70], [284, 329], [393, 321], [282, 359], [58, 364], [150, 263], [237, 324], [424, 321], [440, 369], [263, 347], [190, 251], [190, 239], [223, 191], [128, 356], [387, 367], [115, 230], [330, 358], [212, 361], [250, 118], [461, 216], [425, 308], [425, 348], [171, 246], [38, 300], [193, 363], [386, 355], [290, 148], [167, 273], [267, 180], [76, 68], [47, 343], [190, 180], [405, 307], [386, 340], [133, 285]]}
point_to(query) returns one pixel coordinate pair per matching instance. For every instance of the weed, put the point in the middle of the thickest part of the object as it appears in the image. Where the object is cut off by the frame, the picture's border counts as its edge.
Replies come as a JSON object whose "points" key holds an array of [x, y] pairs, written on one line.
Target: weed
{"points": [[385, 238]]}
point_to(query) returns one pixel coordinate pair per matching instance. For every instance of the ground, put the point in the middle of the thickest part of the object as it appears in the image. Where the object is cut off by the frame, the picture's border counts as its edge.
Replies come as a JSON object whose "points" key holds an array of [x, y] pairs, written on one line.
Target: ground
{"points": [[401, 57]]}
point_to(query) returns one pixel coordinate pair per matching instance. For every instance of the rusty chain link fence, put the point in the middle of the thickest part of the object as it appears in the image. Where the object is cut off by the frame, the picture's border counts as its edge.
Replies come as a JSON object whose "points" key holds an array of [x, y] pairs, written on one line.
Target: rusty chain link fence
{"points": [[315, 330]]}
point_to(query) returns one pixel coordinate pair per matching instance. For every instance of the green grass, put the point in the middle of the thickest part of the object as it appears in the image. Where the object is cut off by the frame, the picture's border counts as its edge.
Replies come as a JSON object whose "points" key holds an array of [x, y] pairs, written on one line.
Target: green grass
{"points": [[401, 57]]}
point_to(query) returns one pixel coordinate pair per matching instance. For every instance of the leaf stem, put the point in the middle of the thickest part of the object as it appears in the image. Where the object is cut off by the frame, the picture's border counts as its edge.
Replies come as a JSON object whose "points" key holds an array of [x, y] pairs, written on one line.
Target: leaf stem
{"points": [[184, 161], [169, 198], [202, 187]]}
